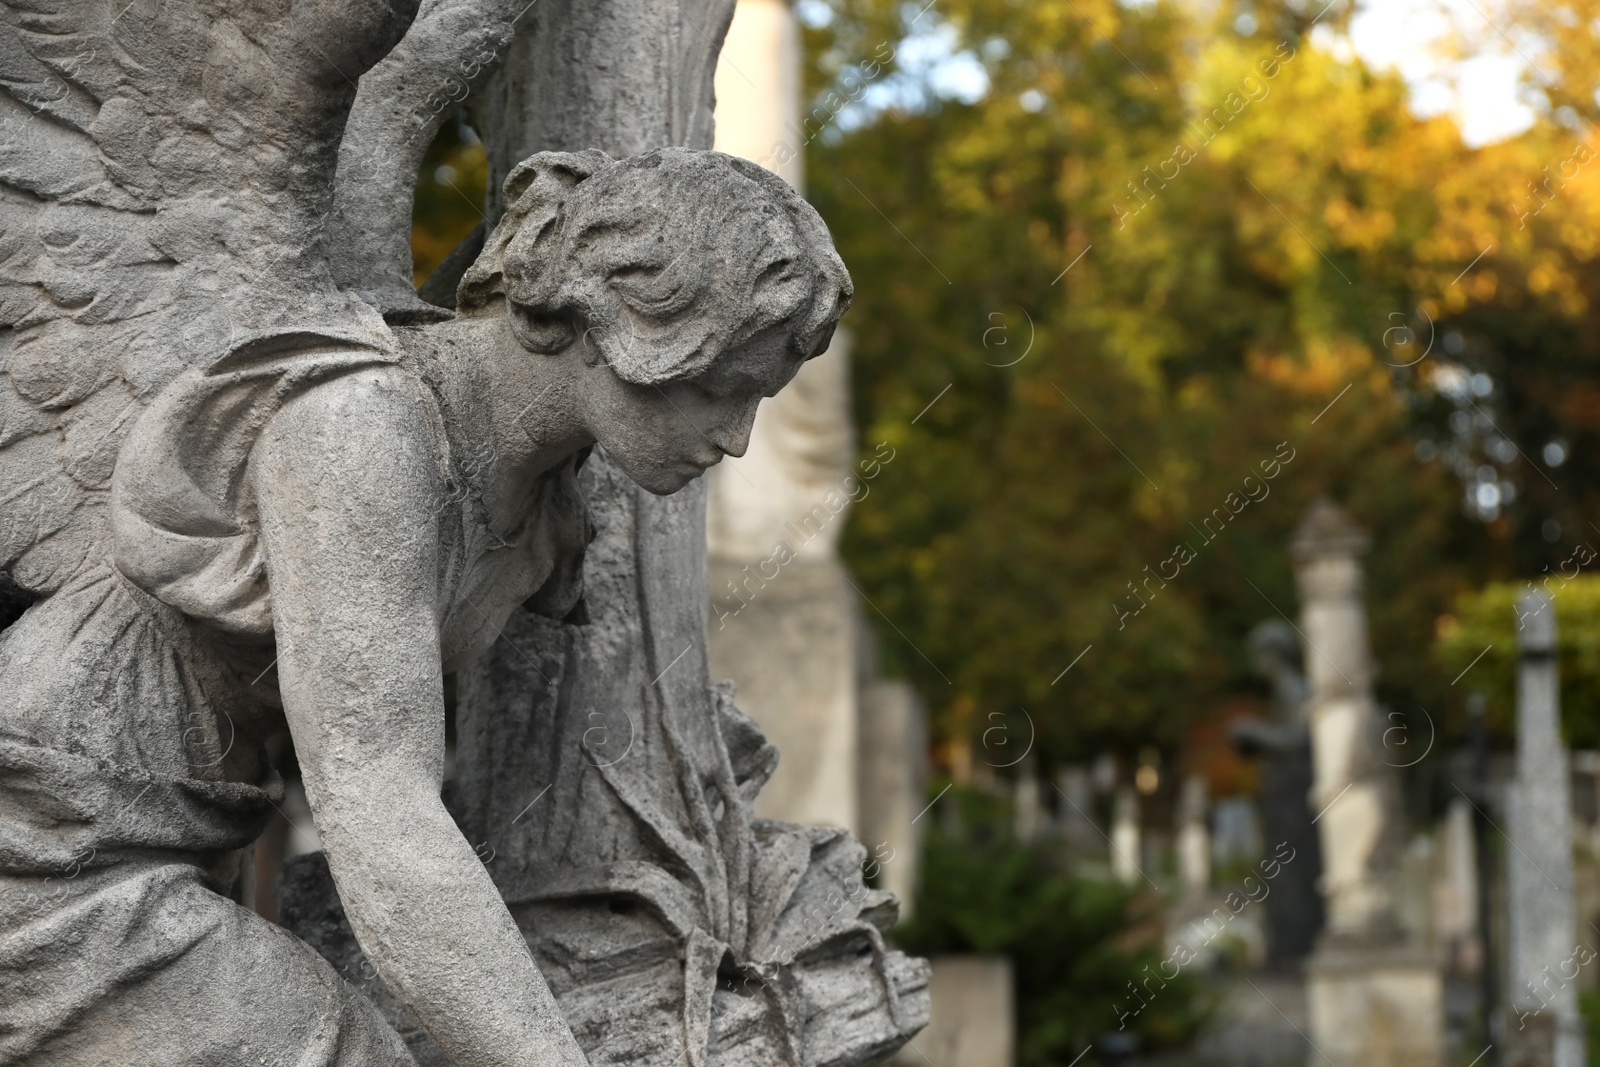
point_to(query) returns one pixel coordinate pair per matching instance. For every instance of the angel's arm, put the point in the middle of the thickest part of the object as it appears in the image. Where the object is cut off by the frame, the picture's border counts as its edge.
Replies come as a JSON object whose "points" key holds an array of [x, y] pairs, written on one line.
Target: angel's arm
{"points": [[349, 496]]}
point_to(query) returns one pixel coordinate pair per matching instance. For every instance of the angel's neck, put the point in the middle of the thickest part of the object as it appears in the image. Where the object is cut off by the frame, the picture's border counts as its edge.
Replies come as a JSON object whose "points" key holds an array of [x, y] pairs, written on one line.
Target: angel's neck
{"points": [[526, 413]]}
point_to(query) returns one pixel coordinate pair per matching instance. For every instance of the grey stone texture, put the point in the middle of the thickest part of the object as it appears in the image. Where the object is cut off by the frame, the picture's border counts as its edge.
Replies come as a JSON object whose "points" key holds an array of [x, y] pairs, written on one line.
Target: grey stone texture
{"points": [[1546, 952], [252, 485]]}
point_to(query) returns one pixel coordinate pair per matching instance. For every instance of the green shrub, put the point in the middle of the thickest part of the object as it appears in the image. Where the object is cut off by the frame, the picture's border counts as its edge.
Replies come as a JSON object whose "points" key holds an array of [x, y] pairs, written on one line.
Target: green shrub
{"points": [[1078, 946]]}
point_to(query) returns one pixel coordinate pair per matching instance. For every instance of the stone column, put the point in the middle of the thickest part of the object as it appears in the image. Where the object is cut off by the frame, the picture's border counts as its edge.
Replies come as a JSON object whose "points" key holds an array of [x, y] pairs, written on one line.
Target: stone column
{"points": [[892, 772], [1194, 842], [1456, 893], [785, 625], [1376, 1000], [1125, 836], [758, 89], [1075, 812], [1545, 955]]}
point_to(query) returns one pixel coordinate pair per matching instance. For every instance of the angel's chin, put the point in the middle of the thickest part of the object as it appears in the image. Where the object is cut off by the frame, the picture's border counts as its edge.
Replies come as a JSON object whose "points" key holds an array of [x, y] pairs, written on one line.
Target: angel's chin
{"points": [[666, 479], [666, 484]]}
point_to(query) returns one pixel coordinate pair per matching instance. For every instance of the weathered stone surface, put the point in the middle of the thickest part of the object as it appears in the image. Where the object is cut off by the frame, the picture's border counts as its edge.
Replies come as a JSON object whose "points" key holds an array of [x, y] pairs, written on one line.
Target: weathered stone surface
{"points": [[259, 487], [650, 795]]}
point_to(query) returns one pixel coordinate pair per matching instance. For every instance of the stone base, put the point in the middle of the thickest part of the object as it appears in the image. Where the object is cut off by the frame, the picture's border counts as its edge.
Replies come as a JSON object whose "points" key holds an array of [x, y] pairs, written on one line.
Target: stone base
{"points": [[1375, 1007], [623, 984], [1531, 1042], [1543, 1038], [972, 1023]]}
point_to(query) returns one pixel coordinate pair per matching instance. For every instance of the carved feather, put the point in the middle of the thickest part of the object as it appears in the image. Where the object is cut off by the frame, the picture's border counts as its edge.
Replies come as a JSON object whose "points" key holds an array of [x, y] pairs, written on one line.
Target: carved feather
{"points": [[165, 172]]}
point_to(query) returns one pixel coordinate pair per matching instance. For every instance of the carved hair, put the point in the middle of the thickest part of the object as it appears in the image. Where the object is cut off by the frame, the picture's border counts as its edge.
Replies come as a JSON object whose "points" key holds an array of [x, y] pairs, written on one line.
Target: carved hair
{"points": [[662, 262]]}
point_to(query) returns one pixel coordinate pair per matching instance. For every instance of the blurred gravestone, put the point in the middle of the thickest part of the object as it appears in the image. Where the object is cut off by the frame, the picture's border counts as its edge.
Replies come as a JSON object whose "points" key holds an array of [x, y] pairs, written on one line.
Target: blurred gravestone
{"points": [[1546, 957], [1375, 998]]}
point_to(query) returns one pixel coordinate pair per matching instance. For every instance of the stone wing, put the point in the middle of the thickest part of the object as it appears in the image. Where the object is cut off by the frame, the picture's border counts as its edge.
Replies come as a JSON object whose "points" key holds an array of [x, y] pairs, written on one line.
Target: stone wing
{"points": [[165, 172]]}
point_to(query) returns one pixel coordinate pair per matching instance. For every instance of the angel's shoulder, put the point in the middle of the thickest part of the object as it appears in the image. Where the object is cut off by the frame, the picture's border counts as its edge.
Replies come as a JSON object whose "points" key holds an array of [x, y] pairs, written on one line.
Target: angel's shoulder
{"points": [[380, 400], [378, 424]]}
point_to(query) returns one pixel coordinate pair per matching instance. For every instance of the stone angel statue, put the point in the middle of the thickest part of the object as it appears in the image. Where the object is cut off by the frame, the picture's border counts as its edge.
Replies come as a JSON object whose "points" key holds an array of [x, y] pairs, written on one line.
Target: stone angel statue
{"points": [[241, 501]]}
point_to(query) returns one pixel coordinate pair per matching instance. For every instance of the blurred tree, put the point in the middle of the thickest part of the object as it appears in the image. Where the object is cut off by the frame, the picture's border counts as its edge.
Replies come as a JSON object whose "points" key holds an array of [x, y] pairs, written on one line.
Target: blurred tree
{"points": [[1113, 258], [1520, 408], [1479, 642], [449, 196], [1198, 228]]}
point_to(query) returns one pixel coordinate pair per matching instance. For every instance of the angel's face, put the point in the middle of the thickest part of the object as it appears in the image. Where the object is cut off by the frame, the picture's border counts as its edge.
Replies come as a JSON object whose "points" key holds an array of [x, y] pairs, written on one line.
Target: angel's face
{"points": [[665, 436]]}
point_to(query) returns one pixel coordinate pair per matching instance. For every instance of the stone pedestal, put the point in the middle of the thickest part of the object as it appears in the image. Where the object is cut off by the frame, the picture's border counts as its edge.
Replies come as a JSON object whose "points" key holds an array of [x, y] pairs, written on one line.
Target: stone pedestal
{"points": [[1545, 954], [1375, 998], [973, 1021], [1372, 1006]]}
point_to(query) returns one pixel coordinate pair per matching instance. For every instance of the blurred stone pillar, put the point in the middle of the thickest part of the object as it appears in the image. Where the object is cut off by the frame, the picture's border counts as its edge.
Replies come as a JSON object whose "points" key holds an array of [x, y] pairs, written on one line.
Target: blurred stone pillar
{"points": [[1545, 957], [784, 616], [1125, 836], [1455, 908], [1194, 842], [758, 89], [893, 777], [1074, 812], [1028, 817], [1376, 999]]}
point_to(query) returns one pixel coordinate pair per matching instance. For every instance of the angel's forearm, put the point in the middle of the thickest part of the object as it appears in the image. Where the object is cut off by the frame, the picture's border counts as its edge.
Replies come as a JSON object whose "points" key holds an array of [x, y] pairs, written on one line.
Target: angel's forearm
{"points": [[430, 920]]}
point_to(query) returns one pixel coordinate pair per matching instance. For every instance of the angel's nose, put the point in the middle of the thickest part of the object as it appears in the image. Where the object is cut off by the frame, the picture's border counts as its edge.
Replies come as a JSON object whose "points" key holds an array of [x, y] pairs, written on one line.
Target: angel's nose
{"points": [[733, 438]]}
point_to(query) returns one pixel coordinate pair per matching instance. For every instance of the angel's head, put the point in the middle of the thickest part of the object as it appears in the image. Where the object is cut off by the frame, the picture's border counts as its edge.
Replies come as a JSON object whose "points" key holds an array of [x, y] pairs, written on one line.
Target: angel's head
{"points": [[691, 284]]}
